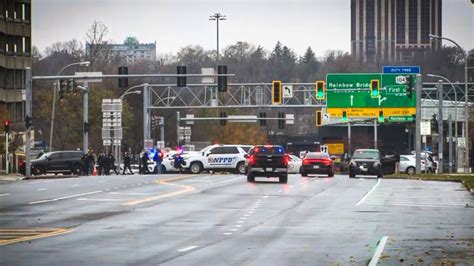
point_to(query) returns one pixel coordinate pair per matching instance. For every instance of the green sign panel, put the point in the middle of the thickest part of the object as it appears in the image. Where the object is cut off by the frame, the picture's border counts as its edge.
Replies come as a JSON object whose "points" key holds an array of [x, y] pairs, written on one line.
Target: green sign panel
{"points": [[353, 91], [400, 118]]}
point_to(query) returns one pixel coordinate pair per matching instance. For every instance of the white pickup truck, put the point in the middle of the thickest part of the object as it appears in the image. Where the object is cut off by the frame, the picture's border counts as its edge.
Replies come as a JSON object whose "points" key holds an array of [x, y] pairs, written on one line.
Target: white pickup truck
{"points": [[218, 158]]}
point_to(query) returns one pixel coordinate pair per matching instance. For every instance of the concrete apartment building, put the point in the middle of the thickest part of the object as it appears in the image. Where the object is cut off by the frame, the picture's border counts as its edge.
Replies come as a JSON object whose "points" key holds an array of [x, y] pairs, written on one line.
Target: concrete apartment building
{"points": [[131, 51], [391, 30], [15, 55]]}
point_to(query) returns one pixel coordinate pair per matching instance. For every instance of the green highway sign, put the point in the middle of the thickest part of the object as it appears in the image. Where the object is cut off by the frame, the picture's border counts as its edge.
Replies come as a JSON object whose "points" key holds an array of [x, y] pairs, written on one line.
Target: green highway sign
{"points": [[400, 118], [353, 91]]}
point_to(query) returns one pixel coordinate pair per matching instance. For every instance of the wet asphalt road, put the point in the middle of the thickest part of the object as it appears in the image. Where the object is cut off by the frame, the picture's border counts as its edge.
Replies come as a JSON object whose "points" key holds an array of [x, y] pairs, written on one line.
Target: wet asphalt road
{"points": [[221, 219]]}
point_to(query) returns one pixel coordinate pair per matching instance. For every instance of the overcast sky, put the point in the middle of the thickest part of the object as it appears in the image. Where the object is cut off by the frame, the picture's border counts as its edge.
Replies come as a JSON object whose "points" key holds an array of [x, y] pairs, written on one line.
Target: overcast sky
{"points": [[173, 24]]}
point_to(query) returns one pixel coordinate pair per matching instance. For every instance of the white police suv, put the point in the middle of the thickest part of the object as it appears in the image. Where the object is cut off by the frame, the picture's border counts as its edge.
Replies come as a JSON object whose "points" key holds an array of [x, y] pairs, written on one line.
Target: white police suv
{"points": [[218, 158]]}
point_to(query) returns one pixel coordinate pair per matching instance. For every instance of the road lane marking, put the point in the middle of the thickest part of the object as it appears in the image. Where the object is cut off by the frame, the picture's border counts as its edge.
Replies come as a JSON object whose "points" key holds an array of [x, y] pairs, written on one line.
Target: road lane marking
{"points": [[378, 251], [86, 199], [227, 233], [66, 197], [185, 189], [15, 235], [75, 185], [238, 225], [42, 189], [124, 178], [102, 181], [6, 194], [240, 222], [264, 197], [187, 249], [129, 193], [233, 229], [368, 194]]}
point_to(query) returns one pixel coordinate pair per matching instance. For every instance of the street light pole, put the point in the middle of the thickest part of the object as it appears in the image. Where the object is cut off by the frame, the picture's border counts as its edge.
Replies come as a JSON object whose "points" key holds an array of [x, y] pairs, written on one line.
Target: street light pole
{"points": [[466, 97], [55, 91], [217, 17]]}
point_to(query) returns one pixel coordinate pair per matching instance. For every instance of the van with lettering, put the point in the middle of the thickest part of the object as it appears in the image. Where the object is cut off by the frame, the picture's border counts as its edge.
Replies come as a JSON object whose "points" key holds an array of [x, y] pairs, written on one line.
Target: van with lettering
{"points": [[230, 158]]}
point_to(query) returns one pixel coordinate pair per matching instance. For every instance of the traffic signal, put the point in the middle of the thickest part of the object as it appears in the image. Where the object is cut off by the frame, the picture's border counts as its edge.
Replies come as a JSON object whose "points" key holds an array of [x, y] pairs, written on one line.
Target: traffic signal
{"points": [[222, 81], [281, 120], [344, 116], [276, 92], [62, 88], [86, 127], [224, 120], [6, 126], [375, 88], [381, 117], [28, 122], [319, 118], [320, 90], [409, 86], [71, 86], [123, 82], [181, 82], [263, 118]]}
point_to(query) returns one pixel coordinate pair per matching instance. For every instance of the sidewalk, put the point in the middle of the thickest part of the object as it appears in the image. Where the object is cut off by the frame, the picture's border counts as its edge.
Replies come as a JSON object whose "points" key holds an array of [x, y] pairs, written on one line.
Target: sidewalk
{"points": [[11, 177]]}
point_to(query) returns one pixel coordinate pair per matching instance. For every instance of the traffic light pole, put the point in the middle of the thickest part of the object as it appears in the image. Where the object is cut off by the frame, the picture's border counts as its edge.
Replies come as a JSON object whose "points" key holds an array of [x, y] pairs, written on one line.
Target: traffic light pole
{"points": [[440, 128], [146, 114], [418, 88], [85, 103], [375, 133], [28, 83], [6, 153]]}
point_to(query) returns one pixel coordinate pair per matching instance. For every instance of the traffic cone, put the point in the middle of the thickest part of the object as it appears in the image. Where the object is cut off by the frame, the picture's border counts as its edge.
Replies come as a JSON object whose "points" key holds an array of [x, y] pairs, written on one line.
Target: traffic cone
{"points": [[94, 172]]}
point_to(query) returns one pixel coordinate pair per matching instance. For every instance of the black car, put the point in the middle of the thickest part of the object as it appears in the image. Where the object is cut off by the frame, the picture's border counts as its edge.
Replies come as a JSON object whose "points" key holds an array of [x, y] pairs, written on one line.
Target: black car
{"points": [[65, 162], [267, 161], [365, 162]]}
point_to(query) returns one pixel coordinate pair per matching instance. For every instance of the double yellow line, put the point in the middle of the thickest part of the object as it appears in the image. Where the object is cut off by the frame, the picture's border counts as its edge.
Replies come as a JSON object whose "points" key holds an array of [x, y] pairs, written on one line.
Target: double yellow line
{"points": [[20, 234], [184, 189]]}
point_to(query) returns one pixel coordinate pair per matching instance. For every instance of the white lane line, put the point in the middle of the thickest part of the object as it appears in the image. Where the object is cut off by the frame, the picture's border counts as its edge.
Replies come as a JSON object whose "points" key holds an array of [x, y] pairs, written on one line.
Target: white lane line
{"points": [[264, 197], [227, 233], [42, 189], [246, 215], [75, 185], [139, 184], [6, 194], [238, 225], [128, 193], [243, 218], [240, 222], [187, 249], [368, 194], [66, 197], [124, 178], [124, 186], [116, 187], [378, 251], [100, 199], [107, 189], [233, 229], [102, 181]]}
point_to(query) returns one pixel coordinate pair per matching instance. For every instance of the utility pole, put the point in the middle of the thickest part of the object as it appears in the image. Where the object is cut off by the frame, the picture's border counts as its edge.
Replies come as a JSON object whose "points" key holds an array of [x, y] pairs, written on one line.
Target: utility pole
{"points": [[85, 118], [418, 87], [440, 127], [217, 17]]}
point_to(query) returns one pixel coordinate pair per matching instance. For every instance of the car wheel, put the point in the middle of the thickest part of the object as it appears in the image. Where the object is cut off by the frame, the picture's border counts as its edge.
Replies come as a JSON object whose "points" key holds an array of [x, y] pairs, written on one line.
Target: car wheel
{"points": [[304, 174], [77, 170], [283, 179], [410, 170], [351, 174], [38, 170], [196, 167], [241, 168], [331, 174], [251, 177]]}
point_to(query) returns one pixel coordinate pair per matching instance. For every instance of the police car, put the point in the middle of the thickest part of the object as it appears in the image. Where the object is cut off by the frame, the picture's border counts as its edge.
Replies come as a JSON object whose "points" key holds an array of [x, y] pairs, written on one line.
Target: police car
{"points": [[218, 158]]}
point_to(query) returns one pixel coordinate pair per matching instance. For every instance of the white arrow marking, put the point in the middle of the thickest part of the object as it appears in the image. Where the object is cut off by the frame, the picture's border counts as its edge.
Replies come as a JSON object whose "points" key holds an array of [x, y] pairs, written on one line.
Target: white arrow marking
{"points": [[352, 99], [382, 99]]}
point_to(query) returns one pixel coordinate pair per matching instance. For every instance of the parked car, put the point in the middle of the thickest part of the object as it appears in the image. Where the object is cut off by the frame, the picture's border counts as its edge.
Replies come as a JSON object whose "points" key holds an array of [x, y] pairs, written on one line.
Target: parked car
{"points": [[317, 163], [408, 164], [65, 162], [294, 164], [267, 161]]}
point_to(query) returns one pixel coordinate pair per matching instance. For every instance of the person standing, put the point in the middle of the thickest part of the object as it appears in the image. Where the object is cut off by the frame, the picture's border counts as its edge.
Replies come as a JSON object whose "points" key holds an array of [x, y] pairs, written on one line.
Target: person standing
{"points": [[111, 161], [144, 160], [85, 165], [158, 158], [90, 161], [100, 163], [126, 163]]}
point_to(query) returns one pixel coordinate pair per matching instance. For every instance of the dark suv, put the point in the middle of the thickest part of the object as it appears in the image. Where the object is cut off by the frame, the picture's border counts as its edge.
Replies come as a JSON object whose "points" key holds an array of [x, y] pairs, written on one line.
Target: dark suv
{"points": [[365, 162], [65, 162], [267, 161]]}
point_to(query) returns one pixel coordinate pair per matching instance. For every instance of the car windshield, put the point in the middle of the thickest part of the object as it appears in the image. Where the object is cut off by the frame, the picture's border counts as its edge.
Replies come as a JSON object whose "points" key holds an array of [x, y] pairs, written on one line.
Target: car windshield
{"points": [[366, 154]]}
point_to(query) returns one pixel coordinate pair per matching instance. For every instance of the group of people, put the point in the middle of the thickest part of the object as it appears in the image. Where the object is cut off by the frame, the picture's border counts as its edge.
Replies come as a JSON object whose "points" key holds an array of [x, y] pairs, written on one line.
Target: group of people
{"points": [[106, 163]]}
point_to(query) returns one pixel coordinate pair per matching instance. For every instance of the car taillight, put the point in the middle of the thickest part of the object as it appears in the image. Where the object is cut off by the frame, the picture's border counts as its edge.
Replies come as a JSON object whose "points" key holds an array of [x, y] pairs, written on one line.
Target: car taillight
{"points": [[251, 159], [305, 161], [327, 162], [286, 159]]}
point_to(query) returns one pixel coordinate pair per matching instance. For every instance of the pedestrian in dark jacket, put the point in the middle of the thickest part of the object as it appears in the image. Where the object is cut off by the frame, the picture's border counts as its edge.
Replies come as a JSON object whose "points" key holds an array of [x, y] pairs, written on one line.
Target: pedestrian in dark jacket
{"points": [[126, 163], [144, 160], [101, 163], [85, 165], [90, 162], [111, 161]]}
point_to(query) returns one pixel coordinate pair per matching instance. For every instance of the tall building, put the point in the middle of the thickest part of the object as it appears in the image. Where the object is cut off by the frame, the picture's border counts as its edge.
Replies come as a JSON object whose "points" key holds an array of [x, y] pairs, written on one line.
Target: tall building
{"points": [[15, 55], [393, 29], [131, 51]]}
